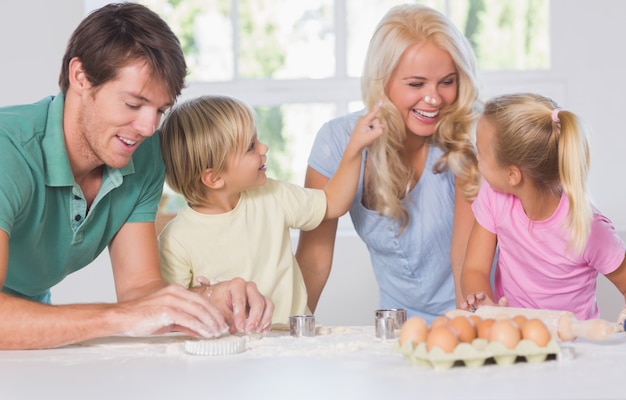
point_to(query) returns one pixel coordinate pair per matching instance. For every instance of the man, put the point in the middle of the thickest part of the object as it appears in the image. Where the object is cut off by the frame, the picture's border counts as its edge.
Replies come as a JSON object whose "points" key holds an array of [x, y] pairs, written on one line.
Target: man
{"points": [[83, 172]]}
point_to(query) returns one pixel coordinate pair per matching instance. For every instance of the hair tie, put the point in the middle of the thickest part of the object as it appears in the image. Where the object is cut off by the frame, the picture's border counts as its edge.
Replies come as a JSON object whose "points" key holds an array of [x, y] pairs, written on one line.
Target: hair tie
{"points": [[555, 115]]}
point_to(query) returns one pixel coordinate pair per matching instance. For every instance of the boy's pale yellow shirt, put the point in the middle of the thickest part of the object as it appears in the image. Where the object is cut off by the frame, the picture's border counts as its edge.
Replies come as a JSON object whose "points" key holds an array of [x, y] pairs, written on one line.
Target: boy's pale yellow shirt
{"points": [[252, 241]]}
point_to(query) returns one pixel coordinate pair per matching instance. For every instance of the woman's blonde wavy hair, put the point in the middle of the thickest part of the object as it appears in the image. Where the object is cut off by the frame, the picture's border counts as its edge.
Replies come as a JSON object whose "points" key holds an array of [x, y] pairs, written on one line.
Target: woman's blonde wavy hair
{"points": [[389, 176], [554, 155]]}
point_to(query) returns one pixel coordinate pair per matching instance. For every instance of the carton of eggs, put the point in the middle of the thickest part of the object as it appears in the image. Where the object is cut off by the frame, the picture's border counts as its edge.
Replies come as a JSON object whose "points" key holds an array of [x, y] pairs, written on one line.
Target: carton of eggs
{"points": [[473, 341]]}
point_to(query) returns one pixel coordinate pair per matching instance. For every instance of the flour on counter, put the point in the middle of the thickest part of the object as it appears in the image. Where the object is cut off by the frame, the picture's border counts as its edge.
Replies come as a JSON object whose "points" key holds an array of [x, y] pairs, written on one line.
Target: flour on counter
{"points": [[328, 342], [134, 341]]}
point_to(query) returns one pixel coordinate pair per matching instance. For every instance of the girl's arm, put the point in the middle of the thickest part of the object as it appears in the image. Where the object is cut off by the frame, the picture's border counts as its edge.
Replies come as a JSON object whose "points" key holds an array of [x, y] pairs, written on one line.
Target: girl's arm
{"points": [[618, 277], [475, 282], [463, 221]]}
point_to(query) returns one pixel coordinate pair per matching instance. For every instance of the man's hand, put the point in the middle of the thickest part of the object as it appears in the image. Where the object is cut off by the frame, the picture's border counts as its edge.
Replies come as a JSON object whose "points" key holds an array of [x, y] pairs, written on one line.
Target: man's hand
{"points": [[172, 308]]}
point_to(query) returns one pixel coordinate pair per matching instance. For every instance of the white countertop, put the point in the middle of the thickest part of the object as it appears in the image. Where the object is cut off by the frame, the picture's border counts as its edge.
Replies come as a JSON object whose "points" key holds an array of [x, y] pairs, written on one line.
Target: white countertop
{"points": [[338, 363]]}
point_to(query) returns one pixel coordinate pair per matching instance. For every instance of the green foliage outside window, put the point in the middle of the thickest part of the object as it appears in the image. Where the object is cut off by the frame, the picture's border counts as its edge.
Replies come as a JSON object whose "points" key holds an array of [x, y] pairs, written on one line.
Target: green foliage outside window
{"points": [[241, 40]]}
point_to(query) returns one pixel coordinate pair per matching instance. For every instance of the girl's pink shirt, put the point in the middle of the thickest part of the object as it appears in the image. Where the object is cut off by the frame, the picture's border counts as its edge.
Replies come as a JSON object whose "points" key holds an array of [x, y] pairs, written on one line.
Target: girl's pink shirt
{"points": [[535, 268]]}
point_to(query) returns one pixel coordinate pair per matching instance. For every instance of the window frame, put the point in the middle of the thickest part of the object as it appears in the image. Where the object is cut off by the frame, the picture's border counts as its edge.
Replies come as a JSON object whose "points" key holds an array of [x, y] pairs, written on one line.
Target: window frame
{"points": [[341, 90]]}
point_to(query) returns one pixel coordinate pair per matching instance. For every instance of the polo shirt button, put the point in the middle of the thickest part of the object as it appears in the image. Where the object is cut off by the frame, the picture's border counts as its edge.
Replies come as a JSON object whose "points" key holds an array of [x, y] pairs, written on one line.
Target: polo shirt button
{"points": [[77, 218]]}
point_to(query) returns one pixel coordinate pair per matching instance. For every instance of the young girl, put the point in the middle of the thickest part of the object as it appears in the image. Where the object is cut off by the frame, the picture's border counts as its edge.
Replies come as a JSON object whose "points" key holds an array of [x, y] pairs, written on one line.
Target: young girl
{"points": [[237, 220], [533, 206]]}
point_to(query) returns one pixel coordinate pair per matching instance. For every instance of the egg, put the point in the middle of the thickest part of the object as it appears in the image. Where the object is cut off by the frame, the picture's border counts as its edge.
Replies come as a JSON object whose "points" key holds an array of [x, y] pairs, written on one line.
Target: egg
{"points": [[484, 328], [464, 328], [440, 320], [506, 332], [519, 320], [476, 319], [534, 329], [415, 330], [442, 336]]}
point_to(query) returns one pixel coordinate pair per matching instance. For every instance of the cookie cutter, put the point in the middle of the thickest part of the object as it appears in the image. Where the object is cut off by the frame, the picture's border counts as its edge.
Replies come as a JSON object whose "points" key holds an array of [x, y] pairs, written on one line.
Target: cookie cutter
{"points": [[302, 325], [387, 321]]}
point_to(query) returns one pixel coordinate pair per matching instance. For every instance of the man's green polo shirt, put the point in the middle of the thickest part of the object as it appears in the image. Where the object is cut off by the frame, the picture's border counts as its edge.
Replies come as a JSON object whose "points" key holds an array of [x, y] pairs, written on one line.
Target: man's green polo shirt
{"points": [[43, 210]]}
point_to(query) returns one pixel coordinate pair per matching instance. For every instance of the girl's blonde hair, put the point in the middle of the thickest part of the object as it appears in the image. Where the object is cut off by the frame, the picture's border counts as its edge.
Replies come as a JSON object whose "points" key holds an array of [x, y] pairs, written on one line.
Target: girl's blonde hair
{"points": [[390, 176], [552, 153], [203, 133]]}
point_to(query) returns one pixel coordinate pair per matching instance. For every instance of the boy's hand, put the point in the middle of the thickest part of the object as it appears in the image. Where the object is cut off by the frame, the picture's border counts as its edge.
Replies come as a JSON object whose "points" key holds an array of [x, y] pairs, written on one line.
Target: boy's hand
{"points": [[367, 129]]}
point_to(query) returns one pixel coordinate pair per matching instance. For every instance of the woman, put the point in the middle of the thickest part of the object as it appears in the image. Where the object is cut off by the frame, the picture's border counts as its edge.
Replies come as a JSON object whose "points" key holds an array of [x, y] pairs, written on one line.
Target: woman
{"points": [[412, 208]]}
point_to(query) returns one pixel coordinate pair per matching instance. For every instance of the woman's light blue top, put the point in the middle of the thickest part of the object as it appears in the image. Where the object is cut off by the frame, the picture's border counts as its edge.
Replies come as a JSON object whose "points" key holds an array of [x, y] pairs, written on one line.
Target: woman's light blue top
{"points": [[412, 268]]}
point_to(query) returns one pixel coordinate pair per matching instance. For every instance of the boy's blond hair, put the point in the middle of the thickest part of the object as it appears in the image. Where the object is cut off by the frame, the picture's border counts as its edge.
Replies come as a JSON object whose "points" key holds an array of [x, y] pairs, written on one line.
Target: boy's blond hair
{"points": [[203, 133]]}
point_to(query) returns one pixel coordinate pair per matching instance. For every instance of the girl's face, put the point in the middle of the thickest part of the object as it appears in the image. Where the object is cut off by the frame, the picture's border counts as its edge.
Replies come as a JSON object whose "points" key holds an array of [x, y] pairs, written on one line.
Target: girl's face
{"points": [[246, 171], [424, 82], [495, 175]]}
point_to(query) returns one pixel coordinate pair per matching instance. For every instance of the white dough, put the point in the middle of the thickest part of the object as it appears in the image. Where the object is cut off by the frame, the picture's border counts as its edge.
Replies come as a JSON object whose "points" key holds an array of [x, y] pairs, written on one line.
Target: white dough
{"points": [[216, 347]]}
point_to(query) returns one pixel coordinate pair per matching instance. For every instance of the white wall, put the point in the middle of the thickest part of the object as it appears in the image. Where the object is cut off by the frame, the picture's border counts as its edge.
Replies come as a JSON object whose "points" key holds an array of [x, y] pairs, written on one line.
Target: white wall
{"points": [[34, 35], [588, 62], [589, 57]]}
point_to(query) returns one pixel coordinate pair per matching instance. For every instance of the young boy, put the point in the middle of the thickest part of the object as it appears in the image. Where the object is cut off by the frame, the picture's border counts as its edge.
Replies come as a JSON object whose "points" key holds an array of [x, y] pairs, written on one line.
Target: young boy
{"points": [[237, 221]]}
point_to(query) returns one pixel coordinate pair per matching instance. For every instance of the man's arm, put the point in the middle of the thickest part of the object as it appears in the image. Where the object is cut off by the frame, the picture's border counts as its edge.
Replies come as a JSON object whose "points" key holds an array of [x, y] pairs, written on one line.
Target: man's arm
{"points": [[147, 306], [134, 254], [135, 258], [30, 325]]}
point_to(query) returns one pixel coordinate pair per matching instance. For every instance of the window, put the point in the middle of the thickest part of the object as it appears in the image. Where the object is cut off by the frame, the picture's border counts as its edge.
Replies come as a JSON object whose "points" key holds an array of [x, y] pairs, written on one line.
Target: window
{"points": [[298, 63]]}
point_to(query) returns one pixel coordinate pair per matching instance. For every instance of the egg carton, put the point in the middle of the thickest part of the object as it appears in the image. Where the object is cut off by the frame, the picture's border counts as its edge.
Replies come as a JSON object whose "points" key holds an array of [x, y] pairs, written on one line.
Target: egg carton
{"points": [[479, 353]]}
